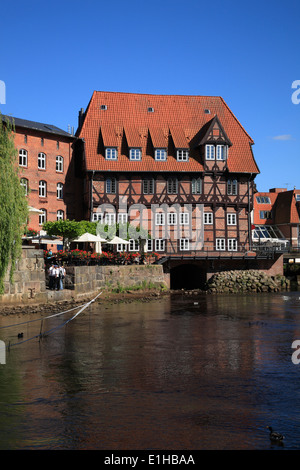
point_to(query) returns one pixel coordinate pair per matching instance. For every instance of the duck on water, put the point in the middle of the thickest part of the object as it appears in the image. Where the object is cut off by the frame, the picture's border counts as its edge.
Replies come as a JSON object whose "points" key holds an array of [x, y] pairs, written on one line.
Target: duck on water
{"points": [[275, 436]]}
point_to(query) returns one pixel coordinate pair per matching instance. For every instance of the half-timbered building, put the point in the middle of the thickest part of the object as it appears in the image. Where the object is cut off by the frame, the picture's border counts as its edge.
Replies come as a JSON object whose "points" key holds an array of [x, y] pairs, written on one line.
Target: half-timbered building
{"points": [[185, 160]]}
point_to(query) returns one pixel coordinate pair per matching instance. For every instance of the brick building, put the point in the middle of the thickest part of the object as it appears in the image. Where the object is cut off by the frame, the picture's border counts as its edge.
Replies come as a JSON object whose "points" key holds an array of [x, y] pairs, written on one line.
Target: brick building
{"points": [[45, 163], [170, 155], [276, 217]]}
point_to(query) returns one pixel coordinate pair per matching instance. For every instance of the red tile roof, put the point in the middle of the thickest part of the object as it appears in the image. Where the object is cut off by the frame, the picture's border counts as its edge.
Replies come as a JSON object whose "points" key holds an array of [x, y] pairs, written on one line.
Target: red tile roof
{"points": [[287, 208], [127, 116]]}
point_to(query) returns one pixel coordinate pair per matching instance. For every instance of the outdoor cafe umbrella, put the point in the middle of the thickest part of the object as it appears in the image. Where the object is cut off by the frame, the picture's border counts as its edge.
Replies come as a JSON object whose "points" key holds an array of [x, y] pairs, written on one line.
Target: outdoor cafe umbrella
{"points": [[116, 240], [89, 237], [33, 209]]}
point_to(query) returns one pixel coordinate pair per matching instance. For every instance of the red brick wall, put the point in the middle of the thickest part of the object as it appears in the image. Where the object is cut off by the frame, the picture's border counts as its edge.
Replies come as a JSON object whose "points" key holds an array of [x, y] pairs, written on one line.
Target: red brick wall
{"points": [[33, 174]]}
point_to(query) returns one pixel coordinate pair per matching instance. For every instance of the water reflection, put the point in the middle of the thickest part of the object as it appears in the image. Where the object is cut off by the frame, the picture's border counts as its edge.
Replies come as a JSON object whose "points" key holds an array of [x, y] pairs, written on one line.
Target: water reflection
{"points": [[178, 373]]}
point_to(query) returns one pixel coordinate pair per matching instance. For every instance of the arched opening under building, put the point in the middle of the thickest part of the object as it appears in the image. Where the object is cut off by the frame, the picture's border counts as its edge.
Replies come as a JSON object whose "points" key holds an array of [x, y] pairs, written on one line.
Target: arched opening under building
{"points": [[187, 276]]}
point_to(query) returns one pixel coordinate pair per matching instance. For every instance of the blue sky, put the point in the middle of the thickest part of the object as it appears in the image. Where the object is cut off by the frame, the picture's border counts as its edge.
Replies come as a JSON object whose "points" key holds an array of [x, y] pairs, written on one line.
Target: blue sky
{"points": [[54, 55]]}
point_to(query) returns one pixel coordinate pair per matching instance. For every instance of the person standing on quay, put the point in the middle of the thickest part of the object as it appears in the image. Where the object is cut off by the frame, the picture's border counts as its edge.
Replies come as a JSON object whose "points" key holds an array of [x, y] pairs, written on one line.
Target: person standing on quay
{"points": [[51, 277], [61, 276]]}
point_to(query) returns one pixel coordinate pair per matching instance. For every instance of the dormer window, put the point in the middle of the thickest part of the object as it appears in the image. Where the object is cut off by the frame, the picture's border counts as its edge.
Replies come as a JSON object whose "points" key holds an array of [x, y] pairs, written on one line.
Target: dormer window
{"points": [[182, 155], [111, 153], [209, 152], [160, 154], [218, 152], [222, 152], [215, 141], [135, 154]]}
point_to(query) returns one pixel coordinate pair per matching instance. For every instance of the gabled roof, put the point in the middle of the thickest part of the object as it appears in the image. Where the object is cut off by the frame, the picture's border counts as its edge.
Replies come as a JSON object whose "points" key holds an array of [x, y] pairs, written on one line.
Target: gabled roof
{"points": [[38, 126], [283, 204], [287, 208], [214, 131], [114, 117]]}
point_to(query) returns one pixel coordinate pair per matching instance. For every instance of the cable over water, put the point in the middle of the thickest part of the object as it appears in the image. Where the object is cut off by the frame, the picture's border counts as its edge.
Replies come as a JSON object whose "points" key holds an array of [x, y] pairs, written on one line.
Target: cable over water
{"points": [[47, 333]]}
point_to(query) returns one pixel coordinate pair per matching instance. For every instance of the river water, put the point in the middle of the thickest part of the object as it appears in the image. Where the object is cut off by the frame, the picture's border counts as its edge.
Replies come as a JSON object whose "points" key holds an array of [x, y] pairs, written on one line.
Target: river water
{"points": [[179, 373]]}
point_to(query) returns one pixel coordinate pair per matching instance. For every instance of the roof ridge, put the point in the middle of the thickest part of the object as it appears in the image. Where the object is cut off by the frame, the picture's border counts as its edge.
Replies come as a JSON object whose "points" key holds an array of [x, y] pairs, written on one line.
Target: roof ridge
{"points": [[156, 94]]}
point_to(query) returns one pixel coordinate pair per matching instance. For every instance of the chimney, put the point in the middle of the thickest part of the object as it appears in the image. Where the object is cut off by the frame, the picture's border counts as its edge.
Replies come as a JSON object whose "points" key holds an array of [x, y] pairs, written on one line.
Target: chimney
{"points": [[80, 117]]}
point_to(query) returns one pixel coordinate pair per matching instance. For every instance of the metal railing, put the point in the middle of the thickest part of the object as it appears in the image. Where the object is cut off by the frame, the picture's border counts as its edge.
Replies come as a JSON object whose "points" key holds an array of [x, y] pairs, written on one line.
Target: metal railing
{"points": [[172, 248]]}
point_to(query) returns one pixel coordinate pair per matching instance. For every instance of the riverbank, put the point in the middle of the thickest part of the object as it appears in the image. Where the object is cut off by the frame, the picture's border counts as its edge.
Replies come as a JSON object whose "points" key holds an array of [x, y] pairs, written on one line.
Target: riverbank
{"points": [[231, 282], [106, 298]]}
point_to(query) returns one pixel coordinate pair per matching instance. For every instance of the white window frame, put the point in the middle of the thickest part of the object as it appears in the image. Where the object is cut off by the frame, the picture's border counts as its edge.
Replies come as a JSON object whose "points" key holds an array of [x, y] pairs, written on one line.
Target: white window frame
{"points": [[172, 218], [135, 154], [208, 218], [209, 152], [121, 247], [111, 153], [97, 217], [43, 217], [183, 155], [172, 185], [232, 244], [263, 200], [196, 186], [159, 218], [60, 215], [59, 190], [113, 188], [110, 218], [220, 244], [134, 245], [42, 188], [148, 186], [42, 161], [184, 244], [25, 184], [122, 218], [160, 155], [160, 244], [149, 244], [59, 163], [231, 219], [23, 157], [222, 152], [184, 218]]}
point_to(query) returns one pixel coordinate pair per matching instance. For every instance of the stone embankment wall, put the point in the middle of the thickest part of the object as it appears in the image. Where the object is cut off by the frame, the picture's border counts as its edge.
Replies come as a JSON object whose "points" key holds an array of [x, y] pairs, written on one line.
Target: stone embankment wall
{"points": [[29, 279], [84, 279], [246, 281], [30, 286], [30, 282]]}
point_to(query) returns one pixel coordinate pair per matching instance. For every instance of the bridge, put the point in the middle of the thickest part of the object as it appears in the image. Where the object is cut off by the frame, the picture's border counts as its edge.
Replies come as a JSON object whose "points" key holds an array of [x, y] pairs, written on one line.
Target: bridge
{"points": [[192, 269]]}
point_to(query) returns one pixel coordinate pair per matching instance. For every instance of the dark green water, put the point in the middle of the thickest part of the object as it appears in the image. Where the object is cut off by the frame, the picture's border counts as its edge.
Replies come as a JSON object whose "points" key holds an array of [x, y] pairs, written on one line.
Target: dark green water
{"points": [[206, 372]]}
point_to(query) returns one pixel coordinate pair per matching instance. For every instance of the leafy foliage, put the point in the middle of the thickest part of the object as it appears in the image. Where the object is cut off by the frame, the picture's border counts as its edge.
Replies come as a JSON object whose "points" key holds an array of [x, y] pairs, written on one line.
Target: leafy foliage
{"points": [[124, 231], [68, 229], [13, 204]]}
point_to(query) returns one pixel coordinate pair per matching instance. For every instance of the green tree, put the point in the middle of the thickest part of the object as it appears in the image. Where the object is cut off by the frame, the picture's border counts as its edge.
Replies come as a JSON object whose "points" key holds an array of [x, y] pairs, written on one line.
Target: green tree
{"points": [[122, 230], [13, 204], [67, 229]]}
